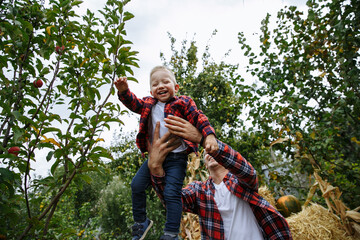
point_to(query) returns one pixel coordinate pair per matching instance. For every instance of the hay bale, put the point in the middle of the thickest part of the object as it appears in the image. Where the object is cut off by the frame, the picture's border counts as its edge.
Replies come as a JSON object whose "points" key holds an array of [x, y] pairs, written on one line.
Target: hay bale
{"points": [[266, 193], [316, 222]]}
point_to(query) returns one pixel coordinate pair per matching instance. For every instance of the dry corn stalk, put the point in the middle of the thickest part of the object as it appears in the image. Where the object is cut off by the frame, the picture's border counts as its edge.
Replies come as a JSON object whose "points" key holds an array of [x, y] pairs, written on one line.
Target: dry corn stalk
{"points": [[190, 227], [311, 193], [350, 218]]}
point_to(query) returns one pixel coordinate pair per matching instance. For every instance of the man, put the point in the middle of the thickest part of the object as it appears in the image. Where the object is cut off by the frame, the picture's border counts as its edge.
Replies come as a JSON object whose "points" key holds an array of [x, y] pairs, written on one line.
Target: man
{"points": [[227, 203]]}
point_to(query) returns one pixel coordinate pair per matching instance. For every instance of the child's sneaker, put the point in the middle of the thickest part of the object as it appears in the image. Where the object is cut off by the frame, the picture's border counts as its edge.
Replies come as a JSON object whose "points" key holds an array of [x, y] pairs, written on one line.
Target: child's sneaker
{"points": [[139, 230]]}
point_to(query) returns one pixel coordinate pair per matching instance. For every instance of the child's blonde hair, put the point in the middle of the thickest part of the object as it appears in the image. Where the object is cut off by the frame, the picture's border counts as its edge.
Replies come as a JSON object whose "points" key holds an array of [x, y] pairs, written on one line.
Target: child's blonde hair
{"points": [[163, 68]]}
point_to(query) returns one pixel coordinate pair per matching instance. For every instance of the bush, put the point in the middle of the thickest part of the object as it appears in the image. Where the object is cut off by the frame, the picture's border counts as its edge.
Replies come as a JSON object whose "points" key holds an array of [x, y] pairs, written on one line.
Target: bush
{"points": [[115, 210]]}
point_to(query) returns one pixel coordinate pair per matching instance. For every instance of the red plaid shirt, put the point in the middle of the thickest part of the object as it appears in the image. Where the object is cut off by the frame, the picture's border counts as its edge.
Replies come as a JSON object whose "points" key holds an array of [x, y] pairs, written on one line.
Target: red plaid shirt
{"points": [[182, 106], [198, 198]]}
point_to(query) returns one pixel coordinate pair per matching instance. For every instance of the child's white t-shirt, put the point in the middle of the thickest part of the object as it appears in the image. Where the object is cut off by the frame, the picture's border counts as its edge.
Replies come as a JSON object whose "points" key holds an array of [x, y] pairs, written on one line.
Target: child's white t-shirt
{"points": [[157, 115], [238, 218]]}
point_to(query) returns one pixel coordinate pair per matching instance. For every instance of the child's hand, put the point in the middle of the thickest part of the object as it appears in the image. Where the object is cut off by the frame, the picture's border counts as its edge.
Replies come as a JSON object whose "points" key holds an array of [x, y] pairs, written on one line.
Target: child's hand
{"points": [[121, 84], [210, 144]]}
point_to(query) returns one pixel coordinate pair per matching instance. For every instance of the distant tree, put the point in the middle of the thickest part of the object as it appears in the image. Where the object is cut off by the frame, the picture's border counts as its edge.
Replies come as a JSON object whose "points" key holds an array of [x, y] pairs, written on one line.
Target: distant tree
{"points": [[57, 74], [308, 89]]}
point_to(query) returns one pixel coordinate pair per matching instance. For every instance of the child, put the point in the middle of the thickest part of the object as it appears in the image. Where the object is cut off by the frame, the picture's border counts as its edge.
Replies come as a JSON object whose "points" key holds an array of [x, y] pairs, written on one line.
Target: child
{"points": [[163, 88]]}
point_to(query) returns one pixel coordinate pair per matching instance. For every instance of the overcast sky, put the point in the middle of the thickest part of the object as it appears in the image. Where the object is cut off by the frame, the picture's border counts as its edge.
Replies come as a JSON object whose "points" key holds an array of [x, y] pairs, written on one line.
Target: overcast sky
{"points": [[185, 19]]}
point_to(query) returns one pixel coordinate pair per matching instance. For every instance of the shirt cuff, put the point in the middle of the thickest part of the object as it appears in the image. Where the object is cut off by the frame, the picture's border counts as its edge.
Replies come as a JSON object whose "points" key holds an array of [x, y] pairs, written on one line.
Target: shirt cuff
{"points": [[123, 93], [158, 179]]}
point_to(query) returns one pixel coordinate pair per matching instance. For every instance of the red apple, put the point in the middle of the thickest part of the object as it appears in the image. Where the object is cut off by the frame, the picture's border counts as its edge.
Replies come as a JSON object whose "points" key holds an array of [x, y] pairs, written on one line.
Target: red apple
{"points": [[59, 49], [14, 150], [38, 83]]}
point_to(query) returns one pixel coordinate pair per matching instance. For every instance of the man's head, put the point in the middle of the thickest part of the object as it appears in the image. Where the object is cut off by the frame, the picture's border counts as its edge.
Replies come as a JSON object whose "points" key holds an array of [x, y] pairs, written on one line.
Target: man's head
{"points": [[212, 165], [163, 84], [209, 161]]}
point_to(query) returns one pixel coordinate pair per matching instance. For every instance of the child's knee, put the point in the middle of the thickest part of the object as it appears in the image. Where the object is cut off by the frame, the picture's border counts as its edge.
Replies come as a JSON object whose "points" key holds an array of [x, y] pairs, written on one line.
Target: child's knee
{"points": [[137, 186], [172, 193]]}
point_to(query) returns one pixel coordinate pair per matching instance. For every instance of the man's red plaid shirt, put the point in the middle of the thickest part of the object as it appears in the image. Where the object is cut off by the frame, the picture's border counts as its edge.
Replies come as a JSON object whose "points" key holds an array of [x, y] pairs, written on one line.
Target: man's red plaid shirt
{"points": [[198, 198]]}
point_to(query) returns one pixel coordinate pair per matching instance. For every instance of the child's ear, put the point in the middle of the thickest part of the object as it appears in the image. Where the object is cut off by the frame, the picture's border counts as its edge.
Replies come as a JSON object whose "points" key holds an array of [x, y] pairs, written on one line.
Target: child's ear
{"points": [[151, 93], [177, 88]]}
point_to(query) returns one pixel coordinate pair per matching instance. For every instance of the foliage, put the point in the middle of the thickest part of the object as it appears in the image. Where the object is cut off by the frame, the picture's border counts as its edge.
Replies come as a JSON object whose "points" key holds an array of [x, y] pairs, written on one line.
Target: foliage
{"points": [[127, 160], [115, 209], [78, 59], [127, 157], [304, 108], [308, 88]]}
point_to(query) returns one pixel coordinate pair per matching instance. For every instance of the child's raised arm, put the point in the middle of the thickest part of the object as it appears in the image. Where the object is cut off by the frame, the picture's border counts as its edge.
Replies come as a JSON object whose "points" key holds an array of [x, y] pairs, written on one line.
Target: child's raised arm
{"points": [[121, 84]]}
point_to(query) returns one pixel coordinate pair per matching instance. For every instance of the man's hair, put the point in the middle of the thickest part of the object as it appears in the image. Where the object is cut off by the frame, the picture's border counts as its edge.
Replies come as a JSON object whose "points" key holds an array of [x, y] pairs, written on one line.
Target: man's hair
{"points": [[164, 68]]}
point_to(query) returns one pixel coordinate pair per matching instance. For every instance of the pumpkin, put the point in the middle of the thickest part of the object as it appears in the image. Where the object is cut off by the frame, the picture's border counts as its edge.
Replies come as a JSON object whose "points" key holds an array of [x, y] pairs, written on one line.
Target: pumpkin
{"points": [[287, 205]]}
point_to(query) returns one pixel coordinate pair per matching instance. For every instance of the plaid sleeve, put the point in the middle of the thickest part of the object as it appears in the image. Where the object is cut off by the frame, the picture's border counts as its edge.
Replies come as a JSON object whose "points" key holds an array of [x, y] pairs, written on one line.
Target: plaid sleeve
{"points": [[189, 197], [237, 165], [196, 117], [130, 100], [158, 183], [275, 226]]}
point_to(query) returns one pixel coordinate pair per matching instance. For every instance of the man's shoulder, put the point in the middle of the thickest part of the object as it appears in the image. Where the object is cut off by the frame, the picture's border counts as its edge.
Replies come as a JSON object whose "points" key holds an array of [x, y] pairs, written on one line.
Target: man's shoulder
{"points": [[200, 185]]}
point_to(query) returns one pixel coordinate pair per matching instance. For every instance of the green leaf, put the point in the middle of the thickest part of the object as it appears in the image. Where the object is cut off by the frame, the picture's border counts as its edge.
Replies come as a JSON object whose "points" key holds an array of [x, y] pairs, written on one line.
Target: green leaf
{"points": [[78, 128], [86, 178], [50, 129], [54, 167], [49, 155], [76, 2], [17, 114], [128, 16]]}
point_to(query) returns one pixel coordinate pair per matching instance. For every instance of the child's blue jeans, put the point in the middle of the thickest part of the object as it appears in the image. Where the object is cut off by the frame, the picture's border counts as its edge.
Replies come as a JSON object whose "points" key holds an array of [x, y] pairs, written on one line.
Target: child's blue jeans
{"points": [[175, 170]]}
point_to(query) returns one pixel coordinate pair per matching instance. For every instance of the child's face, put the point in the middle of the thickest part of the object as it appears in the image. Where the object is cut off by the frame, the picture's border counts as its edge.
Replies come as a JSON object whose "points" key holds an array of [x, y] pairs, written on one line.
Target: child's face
{"points": [[162, 87]]}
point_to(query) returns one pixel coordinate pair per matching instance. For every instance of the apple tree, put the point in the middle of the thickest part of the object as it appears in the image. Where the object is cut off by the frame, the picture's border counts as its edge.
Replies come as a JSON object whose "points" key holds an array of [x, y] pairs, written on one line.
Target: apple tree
{"points": [[57, 74]]}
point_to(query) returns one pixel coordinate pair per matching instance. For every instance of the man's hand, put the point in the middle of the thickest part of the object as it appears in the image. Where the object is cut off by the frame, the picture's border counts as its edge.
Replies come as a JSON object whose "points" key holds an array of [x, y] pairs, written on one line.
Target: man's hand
{"points": [[159, 149], [121, 84], [210, 144], [182, 128]]}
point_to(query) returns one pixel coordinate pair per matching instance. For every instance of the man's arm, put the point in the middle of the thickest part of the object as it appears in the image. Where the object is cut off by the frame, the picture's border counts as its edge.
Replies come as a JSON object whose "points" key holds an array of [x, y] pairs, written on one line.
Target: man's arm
{"points": [[159, 149], [182, 128], [226, 156], [236, 164], [201, 122]]}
